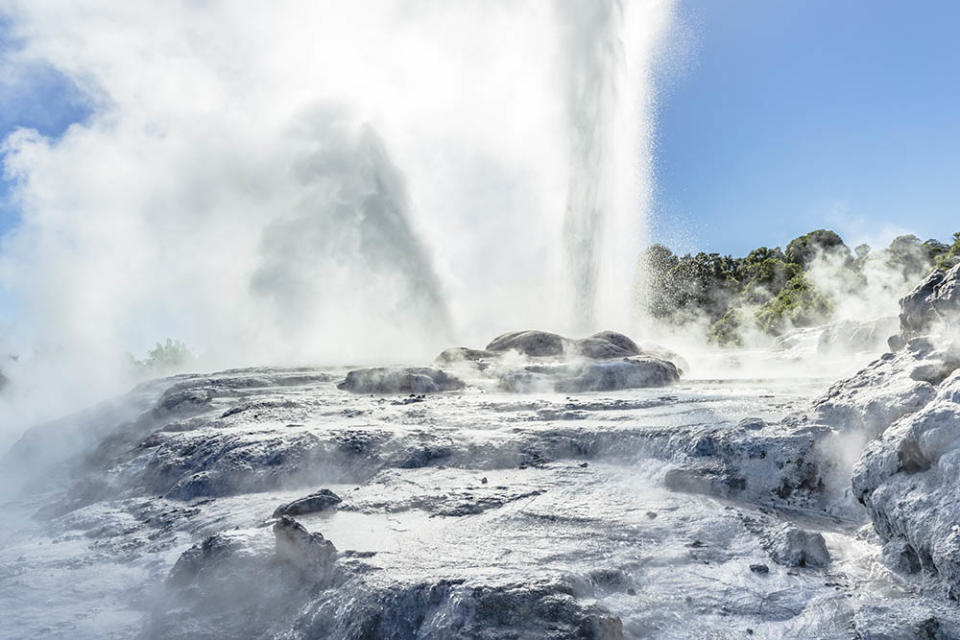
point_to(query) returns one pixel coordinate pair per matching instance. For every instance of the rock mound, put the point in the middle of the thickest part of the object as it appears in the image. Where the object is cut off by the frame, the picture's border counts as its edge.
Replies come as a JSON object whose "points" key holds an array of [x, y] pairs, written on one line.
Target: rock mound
{"points": [[905, 407], [400, 380], [604, 361], [313, 503], [608, 375], [606, 345], [530, 343], [794, 547], [936, 300]]}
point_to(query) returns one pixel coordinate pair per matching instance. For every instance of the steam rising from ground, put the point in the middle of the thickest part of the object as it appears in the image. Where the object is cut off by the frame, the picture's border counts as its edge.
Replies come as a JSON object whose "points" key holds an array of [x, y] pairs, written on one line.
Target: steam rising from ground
{"points": [[866, 298], [318, 181]]}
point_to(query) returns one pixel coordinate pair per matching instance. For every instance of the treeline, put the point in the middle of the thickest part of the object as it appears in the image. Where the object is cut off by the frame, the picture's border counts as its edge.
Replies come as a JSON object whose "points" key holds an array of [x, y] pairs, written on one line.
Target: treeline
{"points": [[773, 290]]}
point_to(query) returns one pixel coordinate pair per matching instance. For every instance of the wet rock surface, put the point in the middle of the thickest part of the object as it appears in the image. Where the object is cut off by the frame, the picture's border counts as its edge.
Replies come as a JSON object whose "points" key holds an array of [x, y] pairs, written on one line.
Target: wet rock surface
{"points": [[902, 415], [604, 361], [313, 503], [795, 547], [935, 301], [476, 514], [610, 375], [382, 380]]}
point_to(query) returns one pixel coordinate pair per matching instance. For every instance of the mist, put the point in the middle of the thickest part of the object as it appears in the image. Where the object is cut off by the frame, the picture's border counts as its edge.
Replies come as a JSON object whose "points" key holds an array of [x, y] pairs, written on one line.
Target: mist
{"points": [[320, 182]]}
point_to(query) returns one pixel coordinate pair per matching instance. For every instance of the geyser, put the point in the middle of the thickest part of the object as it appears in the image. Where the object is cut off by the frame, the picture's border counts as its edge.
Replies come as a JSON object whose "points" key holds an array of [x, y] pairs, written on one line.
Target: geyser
{"points": [[501, 182], [608, 45]]}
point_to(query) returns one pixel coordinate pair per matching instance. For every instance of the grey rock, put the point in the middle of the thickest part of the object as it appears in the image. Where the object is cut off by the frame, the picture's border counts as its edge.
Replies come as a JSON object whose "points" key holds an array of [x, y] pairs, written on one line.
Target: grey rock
{"points": [[887, 389], [400, 380], [712, 481], [529, 343], [309, 552], [466, 354], [794, 547], [606, 375], [607, 344], [539, 344], [628, 373], [234, 584], [313, 503], [770, 464], [529, 611], [909, 481], [935, 300]]}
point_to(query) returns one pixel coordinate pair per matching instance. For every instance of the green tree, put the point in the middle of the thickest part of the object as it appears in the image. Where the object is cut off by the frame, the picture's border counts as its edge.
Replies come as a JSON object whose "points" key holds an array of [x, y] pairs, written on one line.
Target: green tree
{"points": [[166, 357]]}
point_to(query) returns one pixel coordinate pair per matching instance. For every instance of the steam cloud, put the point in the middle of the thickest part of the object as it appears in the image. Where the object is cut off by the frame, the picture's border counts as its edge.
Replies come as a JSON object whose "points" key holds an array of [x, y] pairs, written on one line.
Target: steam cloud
{"points": [[313, 181]]}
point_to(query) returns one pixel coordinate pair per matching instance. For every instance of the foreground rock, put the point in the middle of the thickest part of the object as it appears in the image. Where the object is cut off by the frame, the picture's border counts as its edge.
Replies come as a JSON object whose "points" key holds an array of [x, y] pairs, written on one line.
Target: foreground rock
{"points": [[932, 303], [235, 585], [909, 480], [466, 516], [753, 461], [903, 410], [891, 387], [610, 375], [400, 380]]}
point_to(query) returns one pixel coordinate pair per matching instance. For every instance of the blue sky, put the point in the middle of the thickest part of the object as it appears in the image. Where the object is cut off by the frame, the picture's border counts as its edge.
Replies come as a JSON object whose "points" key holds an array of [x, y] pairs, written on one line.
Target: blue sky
{"points": [[34, 97], [793, 115]]}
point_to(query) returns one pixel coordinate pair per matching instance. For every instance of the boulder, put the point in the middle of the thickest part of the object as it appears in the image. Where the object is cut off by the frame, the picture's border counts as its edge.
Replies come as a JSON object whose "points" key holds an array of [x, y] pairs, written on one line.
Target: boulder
{"points": [[628, 373], [895, 385], [400, 380], [905, 409], [313, 503], [607, 375], [663, 353], [795, 547], [465, 354], [235, 584], [706, 480], [605, 345], [309, 552], [935, 300], [909, 481], [530, 343], [538, 344], [752, 461]]}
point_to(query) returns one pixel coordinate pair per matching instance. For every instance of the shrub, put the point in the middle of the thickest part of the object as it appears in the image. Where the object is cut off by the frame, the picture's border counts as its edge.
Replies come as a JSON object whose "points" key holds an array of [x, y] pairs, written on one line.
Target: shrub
{"points": [[798, 304]]}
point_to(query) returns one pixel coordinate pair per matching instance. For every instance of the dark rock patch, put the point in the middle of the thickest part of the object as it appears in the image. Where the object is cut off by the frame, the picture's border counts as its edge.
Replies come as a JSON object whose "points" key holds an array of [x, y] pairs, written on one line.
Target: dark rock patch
{"points": [[313, 503], [794, 547], [414, 380]]}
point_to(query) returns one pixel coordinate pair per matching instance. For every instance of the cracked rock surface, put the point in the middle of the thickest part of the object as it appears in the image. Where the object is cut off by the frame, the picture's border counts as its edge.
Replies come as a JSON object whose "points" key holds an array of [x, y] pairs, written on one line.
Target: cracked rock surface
{"points": [[298, 503], [206, 506]]}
